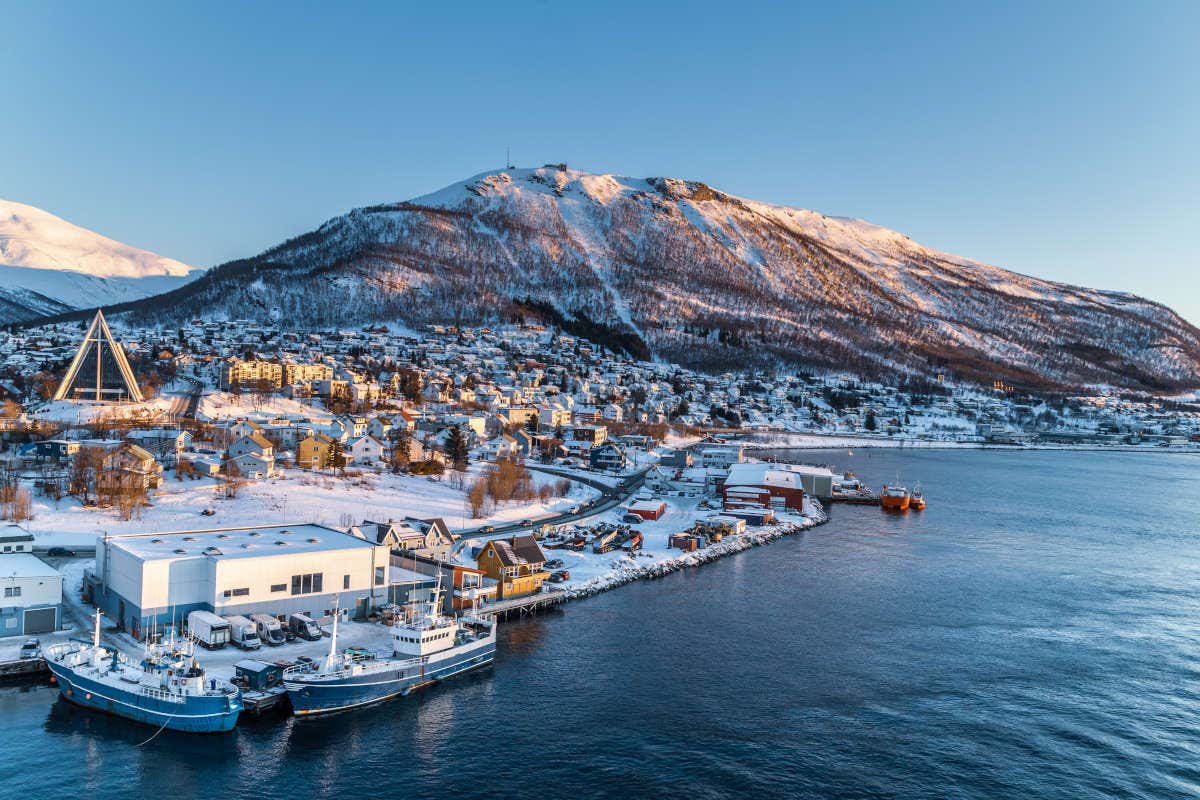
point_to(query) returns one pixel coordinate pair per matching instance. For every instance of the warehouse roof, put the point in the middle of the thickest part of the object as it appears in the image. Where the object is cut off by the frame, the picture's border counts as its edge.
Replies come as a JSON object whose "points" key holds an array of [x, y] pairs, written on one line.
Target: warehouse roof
{"points": [[258, 541]]}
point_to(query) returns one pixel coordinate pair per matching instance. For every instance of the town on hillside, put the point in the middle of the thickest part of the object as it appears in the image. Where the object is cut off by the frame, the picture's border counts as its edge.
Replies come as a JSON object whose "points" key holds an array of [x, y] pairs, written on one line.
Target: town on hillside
{"points": [[350, 473]]}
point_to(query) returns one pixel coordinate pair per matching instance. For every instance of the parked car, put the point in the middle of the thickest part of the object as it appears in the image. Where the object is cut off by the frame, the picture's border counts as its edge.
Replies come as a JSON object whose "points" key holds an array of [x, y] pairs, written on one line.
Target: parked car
{"points": [[525, 523], [487, 529], [31, 648], [554, 563], [59, 551], [631, 519], [208, 512], [574, 509]]}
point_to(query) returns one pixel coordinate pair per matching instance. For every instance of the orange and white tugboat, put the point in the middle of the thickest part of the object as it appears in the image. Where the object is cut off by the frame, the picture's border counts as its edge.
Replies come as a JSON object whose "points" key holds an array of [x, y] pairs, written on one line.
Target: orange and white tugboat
{"points": [[894, 498], [916, 500]]}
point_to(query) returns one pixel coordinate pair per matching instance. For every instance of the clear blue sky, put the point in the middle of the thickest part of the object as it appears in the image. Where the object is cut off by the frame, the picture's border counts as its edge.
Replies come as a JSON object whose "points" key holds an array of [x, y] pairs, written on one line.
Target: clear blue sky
{"points": [[1057, 139]]}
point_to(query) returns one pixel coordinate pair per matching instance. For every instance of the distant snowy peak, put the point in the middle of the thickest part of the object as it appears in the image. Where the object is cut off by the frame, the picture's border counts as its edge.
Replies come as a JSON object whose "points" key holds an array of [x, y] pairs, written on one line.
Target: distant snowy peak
{"points": [[48, 266], [35, 239]]}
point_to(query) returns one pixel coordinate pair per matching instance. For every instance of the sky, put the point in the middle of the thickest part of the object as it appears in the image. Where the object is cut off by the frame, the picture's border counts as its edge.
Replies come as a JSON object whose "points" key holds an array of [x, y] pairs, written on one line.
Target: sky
{"points": [[1056, 139]]}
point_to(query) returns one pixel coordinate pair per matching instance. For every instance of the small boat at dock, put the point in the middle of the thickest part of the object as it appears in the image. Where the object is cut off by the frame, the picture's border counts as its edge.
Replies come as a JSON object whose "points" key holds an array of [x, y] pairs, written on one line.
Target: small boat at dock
{"points": [[427, 646], [167, 688], [916, 500]]}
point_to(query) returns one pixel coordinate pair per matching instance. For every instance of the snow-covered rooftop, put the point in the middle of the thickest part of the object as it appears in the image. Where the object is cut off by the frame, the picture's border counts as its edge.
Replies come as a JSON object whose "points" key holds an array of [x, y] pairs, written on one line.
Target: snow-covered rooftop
{"points": [[259, 541], [25, 565]]}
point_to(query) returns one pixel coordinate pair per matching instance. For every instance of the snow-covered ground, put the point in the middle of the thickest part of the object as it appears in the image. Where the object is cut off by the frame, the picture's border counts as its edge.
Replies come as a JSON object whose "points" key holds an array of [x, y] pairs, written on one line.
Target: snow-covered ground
{"points": [[296, 496], [224, 405], [74, 412]]}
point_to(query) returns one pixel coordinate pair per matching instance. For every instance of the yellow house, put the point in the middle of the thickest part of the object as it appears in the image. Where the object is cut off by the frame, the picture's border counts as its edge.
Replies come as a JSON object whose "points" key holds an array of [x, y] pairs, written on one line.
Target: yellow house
{"points": [[517, 565], [313, 451]]}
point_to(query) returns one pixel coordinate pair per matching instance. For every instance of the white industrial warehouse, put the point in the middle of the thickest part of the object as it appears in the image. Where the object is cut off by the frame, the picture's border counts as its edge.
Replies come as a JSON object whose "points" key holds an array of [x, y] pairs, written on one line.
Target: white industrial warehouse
{"points": [[153, 579]]}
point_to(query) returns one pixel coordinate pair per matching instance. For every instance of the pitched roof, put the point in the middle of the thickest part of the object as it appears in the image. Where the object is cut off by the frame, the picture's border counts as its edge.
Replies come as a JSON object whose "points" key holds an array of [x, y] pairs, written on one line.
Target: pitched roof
{"points": [[519, 550]]}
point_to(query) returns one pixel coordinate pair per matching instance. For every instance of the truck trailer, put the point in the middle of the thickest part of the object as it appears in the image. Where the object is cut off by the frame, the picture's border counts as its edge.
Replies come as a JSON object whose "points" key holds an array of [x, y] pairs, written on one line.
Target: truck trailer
{"points": [[209, 630]]}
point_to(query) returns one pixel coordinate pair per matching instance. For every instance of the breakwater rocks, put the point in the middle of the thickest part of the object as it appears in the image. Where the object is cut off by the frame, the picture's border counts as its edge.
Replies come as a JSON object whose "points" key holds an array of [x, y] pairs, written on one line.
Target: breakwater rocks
{"points": [[629, 570]]}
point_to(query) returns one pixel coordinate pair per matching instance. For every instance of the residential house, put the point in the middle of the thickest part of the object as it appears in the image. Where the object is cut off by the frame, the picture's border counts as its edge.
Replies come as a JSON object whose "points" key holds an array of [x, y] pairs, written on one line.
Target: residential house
{"points": [[365, 451], [517, 565], [128, 460], [313, 451], [608, 456]]}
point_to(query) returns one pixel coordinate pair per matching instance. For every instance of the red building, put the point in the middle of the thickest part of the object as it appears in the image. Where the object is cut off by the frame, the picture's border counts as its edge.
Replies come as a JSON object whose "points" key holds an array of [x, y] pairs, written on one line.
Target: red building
{"points": [[762, 486], [648, 509]]}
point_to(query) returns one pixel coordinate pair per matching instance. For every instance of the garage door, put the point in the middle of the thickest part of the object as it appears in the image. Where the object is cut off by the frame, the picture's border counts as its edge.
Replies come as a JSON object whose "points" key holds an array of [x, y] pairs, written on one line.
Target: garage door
{"points": [[40, 620]]}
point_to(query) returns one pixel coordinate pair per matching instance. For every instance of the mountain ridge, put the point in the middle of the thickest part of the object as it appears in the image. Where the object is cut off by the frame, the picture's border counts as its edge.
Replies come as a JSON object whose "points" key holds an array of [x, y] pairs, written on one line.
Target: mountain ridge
{"points": [[49, 265], [702, 278]]}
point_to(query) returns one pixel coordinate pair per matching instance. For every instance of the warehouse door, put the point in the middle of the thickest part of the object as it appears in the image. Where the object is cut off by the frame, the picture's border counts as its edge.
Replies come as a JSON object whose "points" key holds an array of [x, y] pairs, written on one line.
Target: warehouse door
{"points": [[40, 620]]}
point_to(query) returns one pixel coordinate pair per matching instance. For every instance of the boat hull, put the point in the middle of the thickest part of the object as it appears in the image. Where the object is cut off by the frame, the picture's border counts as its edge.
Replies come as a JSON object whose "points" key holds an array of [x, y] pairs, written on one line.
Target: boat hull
{"points": [[215, 714], [894, 503], [311, 696]]}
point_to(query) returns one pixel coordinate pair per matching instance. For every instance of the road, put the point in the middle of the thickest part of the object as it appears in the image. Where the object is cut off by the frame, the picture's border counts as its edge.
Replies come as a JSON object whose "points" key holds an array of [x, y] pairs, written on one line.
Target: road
{"points": [[611, 496]]}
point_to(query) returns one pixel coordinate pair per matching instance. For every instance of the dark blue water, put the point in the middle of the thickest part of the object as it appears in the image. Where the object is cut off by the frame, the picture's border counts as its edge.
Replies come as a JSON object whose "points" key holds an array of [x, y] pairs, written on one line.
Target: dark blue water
{"points": [[1034, 633]]}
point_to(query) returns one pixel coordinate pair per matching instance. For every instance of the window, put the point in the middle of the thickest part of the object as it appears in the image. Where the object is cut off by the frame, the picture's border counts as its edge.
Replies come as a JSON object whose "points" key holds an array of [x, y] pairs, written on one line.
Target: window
{"points": [[307, 584], [278, 587], [12, 591], [345, 581], [379, 576], [243, 592]]}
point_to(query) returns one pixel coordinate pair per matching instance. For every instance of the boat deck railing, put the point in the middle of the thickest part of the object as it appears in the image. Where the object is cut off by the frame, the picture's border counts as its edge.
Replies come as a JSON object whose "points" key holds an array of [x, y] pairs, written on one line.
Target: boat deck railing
{"points": [[366, 663], [163, 694]]}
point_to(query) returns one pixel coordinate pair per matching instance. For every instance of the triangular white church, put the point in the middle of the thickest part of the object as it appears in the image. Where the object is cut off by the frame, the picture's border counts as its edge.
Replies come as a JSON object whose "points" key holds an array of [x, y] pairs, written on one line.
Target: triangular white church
{"points": [[100, 370]]}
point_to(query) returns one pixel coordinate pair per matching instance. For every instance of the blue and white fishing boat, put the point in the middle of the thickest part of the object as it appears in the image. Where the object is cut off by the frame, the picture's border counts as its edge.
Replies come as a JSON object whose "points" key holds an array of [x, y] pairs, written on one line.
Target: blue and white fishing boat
{"points": [[427, 646], [167, 688]]}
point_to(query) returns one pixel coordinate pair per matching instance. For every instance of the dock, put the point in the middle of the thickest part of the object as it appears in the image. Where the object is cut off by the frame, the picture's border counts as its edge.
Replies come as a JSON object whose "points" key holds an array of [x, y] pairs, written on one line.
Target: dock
{"points": [[256, 703], [23, 667], [524, 606]]}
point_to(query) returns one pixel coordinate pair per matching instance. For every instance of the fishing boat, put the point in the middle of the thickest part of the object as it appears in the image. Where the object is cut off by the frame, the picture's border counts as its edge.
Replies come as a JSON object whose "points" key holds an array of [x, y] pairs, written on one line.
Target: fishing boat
{"points": [[167, 688], [895, 498], [916, 500], [427, 646]]}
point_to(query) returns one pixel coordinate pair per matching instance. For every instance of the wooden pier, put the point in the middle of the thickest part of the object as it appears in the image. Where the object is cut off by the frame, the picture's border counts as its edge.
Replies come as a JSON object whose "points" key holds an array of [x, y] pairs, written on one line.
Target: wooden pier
{"points": [[524, 606], [255, 702]]}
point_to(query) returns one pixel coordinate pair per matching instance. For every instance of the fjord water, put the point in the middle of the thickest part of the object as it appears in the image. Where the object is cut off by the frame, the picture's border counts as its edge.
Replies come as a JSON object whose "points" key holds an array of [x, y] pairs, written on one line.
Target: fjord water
{"points": [[1034, 633]]}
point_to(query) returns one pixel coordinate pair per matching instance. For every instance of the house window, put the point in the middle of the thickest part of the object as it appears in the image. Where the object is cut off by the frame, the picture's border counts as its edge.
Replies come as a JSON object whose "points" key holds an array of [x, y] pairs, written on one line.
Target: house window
{"points": [[12, 591], [380, 576], [278, 587], [243, 592], [345, 581]]}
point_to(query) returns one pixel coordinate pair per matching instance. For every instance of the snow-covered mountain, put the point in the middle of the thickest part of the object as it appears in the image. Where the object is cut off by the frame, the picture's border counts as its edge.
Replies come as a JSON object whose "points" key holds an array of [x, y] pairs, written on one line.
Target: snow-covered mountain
{"points": [[48, 265], [680, 271]]}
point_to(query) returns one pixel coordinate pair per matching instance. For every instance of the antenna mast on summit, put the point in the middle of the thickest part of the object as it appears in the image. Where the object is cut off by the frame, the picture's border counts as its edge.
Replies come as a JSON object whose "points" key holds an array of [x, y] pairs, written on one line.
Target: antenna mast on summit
{"points": [[508, 157]]}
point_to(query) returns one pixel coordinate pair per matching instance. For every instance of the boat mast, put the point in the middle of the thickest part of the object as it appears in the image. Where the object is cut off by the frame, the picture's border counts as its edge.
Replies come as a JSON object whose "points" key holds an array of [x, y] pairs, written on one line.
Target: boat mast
{"points": [[96, 631], [331, 659]]}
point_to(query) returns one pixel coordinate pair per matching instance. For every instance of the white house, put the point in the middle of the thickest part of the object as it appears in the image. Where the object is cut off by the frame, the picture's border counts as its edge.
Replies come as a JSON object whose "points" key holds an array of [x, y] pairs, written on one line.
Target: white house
{"points": [[365, 450], [30, 595], [15, 539]]}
